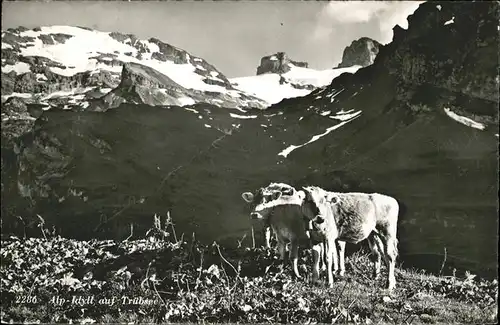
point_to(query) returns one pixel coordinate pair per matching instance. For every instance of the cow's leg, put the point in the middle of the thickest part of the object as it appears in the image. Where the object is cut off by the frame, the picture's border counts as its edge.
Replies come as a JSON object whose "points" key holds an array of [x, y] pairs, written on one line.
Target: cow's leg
{"points": [[323, 256], [267, 234], [392, 252], [318, 252], [375, 253], [331, 258], [282, 250], [340, 245], [335, 257], [294, 257]]}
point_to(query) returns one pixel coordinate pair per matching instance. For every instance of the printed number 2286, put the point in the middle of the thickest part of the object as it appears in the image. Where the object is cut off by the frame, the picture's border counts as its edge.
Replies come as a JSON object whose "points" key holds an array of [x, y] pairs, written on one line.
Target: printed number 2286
{"points": [[26, 300]]}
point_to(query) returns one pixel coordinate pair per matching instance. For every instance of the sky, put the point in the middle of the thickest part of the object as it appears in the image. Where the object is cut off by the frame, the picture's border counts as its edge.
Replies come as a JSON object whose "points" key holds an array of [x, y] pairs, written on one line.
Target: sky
{"points": [[231, 35]]}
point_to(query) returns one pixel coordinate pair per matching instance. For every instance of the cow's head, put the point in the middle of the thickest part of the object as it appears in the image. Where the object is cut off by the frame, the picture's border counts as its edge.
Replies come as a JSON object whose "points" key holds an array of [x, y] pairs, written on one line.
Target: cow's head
{"points": [[265, 199], [316, 207]]}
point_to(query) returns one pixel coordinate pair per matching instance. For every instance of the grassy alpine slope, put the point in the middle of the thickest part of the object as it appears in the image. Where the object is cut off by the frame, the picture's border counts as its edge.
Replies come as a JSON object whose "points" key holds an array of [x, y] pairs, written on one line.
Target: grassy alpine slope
{"points": [[164, 279]]}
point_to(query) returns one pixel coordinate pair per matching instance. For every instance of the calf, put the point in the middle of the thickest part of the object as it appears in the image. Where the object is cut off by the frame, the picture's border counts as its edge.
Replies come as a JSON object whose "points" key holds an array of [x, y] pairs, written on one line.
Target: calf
{"points": [[263, 195], [280, 207], [353, 217]]}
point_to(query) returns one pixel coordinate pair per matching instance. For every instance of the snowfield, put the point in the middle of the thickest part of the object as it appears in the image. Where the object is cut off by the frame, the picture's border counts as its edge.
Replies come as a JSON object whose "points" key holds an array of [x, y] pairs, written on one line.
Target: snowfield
{"points": [[267, 86], [19, 67], [76, 55], [82, 50]]}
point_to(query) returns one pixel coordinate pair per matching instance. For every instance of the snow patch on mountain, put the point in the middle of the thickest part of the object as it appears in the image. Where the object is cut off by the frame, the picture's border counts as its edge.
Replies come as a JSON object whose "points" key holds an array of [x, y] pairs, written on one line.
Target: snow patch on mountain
{"points": [[285, 152], [19, 68], [464, 120], [317, 78], [243, 117], [344, 116], [267, 86], [191, 110], [451, 21], [20, 95], [63, 93], [186, 101]]}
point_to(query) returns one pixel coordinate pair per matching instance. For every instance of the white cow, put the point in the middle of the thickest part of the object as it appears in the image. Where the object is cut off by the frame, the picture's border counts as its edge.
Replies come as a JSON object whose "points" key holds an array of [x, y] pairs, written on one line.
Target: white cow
{"points": [[352, 217]]}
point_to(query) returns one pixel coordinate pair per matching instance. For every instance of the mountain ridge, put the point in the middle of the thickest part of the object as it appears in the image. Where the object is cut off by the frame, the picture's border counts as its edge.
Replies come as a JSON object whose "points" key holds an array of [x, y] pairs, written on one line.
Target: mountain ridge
{"points": [[78, 67], [58, 58]]}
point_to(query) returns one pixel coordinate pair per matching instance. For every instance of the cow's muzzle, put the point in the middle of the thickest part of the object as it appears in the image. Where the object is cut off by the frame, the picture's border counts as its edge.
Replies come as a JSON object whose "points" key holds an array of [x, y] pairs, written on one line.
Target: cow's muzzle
{"points": [[256, 215]]}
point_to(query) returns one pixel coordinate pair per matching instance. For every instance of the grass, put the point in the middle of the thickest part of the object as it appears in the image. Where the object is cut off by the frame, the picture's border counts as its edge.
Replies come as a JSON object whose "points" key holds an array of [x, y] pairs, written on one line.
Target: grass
{"points": [[58, 280]]}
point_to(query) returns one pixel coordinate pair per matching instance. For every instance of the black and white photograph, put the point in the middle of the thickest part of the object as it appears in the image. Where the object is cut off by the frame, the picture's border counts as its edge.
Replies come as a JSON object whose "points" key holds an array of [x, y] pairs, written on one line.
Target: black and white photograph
{"points": [[249, 162]]}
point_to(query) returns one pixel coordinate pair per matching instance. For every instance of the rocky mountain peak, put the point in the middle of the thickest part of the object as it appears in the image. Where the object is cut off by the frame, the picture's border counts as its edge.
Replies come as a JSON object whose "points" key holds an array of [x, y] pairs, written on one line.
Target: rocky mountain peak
{"points": [[72, 66], [361, 52], [278, 63]]}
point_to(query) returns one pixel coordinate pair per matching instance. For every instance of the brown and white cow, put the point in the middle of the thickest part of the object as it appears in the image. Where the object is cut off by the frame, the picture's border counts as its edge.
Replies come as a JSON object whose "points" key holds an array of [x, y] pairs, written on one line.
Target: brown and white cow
{"points": [[263, 195], [279, 206], [353, 217]]}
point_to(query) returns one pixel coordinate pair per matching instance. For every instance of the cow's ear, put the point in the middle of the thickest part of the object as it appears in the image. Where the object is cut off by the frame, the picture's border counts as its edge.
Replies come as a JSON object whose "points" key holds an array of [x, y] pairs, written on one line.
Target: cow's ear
{"points": [[247, 196], [319, 220], [276, 195], [301, 194]]}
